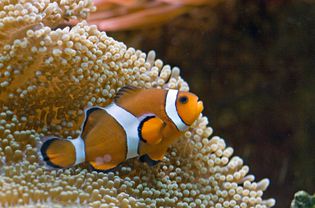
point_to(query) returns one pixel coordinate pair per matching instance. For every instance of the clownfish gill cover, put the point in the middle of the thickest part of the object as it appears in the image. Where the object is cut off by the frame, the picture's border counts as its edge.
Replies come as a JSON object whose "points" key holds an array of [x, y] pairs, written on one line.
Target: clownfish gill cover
{"points": [[80, 89]]}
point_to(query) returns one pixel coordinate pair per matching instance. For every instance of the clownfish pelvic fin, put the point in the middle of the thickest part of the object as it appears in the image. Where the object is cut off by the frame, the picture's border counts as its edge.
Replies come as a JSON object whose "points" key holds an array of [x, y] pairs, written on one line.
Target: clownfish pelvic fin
{"points": [[153, 158], [145, 158], [62, 153]]}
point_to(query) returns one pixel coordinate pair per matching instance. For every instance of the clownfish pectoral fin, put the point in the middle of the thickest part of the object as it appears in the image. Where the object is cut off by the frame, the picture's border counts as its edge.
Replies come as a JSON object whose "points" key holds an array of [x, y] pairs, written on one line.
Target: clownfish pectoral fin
{"points": [[150, 129], [145, 158], [104, 167], [125, 92]]}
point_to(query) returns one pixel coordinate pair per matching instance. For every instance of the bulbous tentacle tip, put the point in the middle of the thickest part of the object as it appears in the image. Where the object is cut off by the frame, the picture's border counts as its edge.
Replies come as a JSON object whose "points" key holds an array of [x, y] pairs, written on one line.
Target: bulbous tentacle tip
{"points": [[200, 106]]}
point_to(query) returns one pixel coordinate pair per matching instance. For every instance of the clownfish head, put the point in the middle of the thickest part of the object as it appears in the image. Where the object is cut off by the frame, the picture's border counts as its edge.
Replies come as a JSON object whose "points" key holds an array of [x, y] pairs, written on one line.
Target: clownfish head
{"points": [[182, 108], [188, 107]]}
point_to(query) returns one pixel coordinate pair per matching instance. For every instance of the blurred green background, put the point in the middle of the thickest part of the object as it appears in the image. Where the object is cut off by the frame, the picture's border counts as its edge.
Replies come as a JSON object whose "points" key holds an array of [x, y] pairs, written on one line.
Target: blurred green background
{"points": [[252, 63]]}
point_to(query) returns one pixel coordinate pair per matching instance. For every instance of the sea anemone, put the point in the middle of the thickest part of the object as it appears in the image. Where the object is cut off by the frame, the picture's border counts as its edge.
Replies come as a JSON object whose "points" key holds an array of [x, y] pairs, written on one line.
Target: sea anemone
{"points": [[48, 77]]}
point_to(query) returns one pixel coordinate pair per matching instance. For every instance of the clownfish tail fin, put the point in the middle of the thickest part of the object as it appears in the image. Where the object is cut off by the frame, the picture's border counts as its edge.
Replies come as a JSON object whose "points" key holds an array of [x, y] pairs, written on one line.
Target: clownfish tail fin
{"points": [[62, 153]]}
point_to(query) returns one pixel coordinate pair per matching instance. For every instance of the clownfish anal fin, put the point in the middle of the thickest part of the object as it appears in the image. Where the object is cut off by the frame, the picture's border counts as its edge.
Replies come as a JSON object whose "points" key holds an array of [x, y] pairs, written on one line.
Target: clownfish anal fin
{"points": [[103, 167], [146, 158], [126, 91], [150, 129]]}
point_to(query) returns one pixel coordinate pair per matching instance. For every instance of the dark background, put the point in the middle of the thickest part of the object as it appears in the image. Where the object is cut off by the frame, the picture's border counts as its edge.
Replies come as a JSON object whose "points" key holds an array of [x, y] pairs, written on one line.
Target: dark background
{"points": [[252, 63]]}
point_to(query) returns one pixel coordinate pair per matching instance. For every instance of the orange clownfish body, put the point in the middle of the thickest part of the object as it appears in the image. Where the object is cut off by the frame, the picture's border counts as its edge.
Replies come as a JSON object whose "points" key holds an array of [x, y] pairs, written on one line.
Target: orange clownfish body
{"points": [[140, 122]]}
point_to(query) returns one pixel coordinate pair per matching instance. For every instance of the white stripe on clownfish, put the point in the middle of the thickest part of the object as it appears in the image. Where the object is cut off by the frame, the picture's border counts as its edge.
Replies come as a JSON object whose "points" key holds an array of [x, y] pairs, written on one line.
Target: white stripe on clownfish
{"points": [[78, 143], [79, 148], [171, 111], [130, 125]]}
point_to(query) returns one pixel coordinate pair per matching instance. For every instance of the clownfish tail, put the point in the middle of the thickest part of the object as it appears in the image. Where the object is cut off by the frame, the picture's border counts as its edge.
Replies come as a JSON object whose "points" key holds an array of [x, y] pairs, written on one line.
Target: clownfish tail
{"points": [[62, 153]]}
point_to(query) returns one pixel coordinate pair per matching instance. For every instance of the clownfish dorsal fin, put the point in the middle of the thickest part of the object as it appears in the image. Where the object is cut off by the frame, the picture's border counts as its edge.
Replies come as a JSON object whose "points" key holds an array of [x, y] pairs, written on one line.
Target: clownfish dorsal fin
{"points": [[126, 92]]}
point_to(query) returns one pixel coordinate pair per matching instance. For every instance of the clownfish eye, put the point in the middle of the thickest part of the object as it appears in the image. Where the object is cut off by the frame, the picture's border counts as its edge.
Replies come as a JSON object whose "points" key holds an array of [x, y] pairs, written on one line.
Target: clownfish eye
{"points": [[183, 99]]}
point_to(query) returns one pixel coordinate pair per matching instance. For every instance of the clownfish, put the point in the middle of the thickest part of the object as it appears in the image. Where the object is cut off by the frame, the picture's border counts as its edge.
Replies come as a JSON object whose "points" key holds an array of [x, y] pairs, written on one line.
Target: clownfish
{"points": [[138, 123]]}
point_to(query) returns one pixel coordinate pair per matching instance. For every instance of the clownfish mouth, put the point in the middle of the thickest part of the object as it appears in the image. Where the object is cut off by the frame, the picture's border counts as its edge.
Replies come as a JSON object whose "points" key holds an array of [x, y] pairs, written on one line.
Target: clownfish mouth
{"points": [[199, 107]]}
